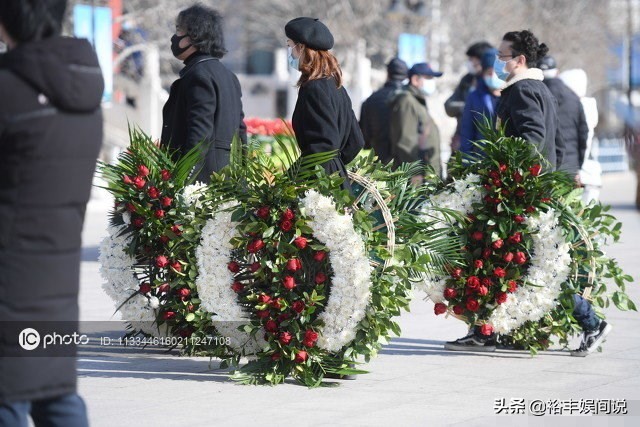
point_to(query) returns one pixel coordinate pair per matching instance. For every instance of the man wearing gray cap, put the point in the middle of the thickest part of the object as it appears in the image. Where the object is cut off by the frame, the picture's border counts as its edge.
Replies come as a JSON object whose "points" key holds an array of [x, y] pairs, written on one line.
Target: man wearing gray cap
{"points": [[414, 135], [375, 114]]}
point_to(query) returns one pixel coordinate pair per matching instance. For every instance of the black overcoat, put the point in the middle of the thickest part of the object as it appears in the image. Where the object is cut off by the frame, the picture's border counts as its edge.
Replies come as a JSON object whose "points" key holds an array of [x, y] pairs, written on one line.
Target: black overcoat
{"points": [[50, 137], [204, 105]]}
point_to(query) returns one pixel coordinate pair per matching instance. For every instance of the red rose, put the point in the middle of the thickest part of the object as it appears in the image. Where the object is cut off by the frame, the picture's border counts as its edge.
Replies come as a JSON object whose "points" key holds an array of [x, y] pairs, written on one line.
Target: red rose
{"points": [[283, 317], [164, 288], [233, 267], [298, 306], [520, 258], [486, 329], [254, 267], [271, 326], [497, 244], [483, 290], [486, 253], [487, 187], [311, 335], [439, 308], [456, 273], [138, 222], [289, 282], [499, 272], [159, 214], [450, 293], [168, 315], [131, 207], [127, 180], [486, 282], [501, 297], [519, 219], [145, 288], [294, 264], [286, 225], [262, 314], [477, 235], [458, 309], [502, 167], [478, 263], [300, 242], [320, 277], [517, 177], [494, 175], [161, 261], [275, 356], [497, 183], [184, 293], [516, 238], [139, 182], [545, 200], [285, 338], [191, 307], [166, 201], [264, 299], [255, 246], [319, 256], [472, 305], [143, 170], [308, 343], [505, 192], [263, 212], [165, 174], [153, 192], [237, 286], [176, 230], [507, 257], [520, 192], [512, 285], [535, 169], [473, 282], [301, 356], [530, 209], [177, 266], [287, 215], [164, 239], [277, 303]]}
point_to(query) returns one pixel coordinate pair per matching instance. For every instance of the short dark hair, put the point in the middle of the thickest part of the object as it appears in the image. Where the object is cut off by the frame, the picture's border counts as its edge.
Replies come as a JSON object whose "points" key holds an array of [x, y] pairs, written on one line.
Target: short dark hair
{"points": [[204, 27], [525, 43], [30, 20], [478, 49]]}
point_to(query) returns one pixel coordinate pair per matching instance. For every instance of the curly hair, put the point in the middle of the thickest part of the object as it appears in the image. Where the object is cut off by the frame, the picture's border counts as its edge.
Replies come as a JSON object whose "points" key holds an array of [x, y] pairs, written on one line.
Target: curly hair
{"points": [[525, 43], [31, 20], [203, 25], [318, 64]]}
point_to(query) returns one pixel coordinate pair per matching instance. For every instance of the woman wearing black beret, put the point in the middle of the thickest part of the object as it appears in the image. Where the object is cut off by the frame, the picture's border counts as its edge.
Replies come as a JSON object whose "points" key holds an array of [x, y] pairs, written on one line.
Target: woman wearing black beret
{"points": [[323, 119]]}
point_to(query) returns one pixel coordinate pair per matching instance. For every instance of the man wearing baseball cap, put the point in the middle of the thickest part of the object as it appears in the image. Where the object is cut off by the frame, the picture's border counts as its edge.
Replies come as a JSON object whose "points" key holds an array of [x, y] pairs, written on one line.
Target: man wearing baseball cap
{"points": [[414, 135]]}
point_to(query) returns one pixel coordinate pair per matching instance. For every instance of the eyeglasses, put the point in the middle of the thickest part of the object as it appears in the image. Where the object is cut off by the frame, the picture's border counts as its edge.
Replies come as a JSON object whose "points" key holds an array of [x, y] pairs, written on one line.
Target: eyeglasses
{"points": [[513, 55]]}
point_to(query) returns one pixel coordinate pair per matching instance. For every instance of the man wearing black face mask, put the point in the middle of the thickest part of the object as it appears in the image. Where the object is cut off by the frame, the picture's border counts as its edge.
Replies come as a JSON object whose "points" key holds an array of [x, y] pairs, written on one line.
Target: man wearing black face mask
{"points": [[204, 104]]}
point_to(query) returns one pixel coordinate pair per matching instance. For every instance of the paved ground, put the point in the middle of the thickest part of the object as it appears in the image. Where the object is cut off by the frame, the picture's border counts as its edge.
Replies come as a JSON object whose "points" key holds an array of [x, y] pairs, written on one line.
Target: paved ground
{"points": [[413, 381]]}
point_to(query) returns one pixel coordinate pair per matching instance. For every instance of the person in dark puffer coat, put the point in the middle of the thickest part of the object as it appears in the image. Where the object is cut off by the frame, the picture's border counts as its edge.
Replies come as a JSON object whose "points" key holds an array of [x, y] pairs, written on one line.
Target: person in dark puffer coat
{"points": [[50, 136]]}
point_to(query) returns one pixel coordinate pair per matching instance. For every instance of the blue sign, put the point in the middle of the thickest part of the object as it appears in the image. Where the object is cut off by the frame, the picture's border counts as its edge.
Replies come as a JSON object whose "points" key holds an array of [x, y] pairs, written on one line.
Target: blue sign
{"points": [[412, 48], [95, 25]]}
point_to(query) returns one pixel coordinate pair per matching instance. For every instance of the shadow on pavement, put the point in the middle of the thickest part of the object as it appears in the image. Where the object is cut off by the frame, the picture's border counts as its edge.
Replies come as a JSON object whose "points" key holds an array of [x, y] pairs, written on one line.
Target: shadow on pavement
{"points": [[90, 254]]}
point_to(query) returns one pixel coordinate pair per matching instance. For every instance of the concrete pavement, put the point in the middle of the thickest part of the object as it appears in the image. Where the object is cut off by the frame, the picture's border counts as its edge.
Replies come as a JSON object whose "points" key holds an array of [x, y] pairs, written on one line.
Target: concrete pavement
{"points": [[412, 382]]}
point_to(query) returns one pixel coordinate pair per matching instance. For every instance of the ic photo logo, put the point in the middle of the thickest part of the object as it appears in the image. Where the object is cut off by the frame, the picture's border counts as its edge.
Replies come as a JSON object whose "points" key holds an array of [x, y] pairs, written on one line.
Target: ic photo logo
{"points": [[29, 339]]}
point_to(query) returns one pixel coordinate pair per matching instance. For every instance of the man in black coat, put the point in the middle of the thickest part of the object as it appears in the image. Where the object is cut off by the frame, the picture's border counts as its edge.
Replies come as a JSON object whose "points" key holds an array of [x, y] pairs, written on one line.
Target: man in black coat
{"points": [[50, 137], [571, 118], [204, 105], [375, 114]]}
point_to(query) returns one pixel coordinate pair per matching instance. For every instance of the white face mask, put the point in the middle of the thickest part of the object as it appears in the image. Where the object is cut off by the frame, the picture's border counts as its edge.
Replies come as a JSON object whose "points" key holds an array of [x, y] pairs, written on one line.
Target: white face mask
{"points": [[429, 86], [294, 63]]}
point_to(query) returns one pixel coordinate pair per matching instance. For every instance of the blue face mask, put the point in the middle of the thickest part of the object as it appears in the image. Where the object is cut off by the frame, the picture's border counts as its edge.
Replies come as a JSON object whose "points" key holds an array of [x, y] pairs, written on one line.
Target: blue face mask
{"points": [[498, 68], [493, 81], [293, 62]]}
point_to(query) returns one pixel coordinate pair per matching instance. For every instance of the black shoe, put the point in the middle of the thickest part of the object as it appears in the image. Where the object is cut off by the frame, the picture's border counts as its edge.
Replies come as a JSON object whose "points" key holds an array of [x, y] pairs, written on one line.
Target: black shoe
{"points": [[472, 342], [592, 340]]}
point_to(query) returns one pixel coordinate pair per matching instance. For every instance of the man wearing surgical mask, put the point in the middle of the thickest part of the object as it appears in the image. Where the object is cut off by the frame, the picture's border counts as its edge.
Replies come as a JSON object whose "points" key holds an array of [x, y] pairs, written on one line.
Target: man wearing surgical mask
{"points": [[204, 108], [413, 133]]}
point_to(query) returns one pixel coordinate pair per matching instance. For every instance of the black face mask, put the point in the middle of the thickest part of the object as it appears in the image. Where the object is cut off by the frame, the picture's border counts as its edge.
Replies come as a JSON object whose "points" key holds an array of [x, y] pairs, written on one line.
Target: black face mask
{"points": [[175, 45]]}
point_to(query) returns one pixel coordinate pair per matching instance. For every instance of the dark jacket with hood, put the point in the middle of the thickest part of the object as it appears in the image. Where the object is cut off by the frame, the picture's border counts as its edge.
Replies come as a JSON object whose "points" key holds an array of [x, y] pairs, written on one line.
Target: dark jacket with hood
{"points": [[528, 110], [205, 106], [50, 137], [374, 120], [572, 124]]}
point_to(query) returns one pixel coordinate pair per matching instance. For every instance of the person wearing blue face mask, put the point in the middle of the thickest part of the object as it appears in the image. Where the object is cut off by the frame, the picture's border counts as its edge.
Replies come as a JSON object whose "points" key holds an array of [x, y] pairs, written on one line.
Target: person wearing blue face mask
{"points": [[480, 105], [413, 134]]}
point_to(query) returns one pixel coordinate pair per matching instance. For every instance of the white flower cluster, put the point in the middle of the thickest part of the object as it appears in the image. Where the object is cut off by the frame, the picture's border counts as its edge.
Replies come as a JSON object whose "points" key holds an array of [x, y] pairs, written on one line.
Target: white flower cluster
{"points": [[214, 282], [116, 268], [549, 268], [460, 198], [351, 283], [189, 198]]}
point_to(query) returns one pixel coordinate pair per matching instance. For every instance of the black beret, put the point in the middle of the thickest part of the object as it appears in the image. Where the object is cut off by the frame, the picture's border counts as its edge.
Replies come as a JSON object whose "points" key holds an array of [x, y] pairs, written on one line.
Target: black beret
{"points": [[310, 32]]}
